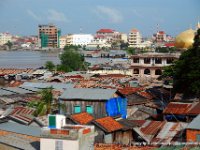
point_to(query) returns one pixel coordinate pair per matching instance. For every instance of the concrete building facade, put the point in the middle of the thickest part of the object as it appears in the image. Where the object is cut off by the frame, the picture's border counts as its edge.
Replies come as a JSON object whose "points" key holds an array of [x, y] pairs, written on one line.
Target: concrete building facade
{"points": [[134, 38], [4, 38], [48, 36], [151, 64], [79, 39]]}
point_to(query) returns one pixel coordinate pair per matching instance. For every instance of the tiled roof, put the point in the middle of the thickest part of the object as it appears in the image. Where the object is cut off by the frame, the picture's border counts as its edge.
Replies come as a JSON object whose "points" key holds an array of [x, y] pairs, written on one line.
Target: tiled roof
{"points": [[108, 124], [177, 108], [153, 127], [105, 31], [134, 30], [82, 118]]}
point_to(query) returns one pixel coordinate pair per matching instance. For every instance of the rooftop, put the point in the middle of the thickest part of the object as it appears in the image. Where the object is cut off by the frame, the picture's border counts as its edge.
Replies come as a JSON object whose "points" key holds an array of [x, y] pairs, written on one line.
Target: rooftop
{"points": [[108, 124], [82, 118], [88, 94]]}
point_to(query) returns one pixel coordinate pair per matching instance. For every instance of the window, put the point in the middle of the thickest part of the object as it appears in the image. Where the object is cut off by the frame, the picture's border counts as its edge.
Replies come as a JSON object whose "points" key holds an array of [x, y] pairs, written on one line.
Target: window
{"points": [[158, 61], [147, 60], [198, 137], [59, 145], [136, 60], [147, 71], [89, 109], [158, 72], [77, 109]]}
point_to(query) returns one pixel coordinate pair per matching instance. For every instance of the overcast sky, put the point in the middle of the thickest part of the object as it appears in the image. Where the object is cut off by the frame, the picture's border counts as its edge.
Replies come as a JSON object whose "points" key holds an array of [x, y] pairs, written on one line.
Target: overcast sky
{"points": [[173, 16]]}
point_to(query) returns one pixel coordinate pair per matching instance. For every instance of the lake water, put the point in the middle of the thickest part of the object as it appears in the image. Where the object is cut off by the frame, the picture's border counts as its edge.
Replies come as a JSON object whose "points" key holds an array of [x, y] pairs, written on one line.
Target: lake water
{"points": [[35, 59]]}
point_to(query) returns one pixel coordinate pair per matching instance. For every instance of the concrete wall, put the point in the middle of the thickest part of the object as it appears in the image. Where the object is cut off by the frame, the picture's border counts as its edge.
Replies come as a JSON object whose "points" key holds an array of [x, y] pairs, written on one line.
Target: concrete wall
{"points": [[50, 144]]}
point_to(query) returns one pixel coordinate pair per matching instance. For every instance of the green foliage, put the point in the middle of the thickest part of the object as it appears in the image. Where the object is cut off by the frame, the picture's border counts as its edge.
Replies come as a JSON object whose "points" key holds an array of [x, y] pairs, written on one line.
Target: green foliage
{"points": [[9, 44], [130, 51], [45, 105], [71, 60], [49, 65], [168, 71], [165, 49], [186, 71], [124, 45]]}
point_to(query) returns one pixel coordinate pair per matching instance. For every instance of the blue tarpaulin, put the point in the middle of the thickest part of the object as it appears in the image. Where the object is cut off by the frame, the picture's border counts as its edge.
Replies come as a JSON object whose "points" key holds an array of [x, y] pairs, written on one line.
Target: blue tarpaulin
{"points": [[117, 106]]}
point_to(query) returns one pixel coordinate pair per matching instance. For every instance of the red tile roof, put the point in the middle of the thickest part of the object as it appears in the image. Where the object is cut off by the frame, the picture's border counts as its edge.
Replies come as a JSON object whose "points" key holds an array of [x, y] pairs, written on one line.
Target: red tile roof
{"points": [[153, 127], [105, 31], [161, 32], [134, 30], [169, 44], [177, 108], [109, 124], [82, 118]]}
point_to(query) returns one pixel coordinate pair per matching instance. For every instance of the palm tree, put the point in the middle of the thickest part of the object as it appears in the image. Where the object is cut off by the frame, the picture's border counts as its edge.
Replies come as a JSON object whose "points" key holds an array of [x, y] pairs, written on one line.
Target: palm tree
{"points": [[46, 105]]}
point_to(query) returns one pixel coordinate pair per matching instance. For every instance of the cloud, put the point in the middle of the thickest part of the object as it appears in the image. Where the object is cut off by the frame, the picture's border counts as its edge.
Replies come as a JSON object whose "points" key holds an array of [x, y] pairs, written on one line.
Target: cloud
{"points": [[56, 16], [111, 14], [32, 14]]}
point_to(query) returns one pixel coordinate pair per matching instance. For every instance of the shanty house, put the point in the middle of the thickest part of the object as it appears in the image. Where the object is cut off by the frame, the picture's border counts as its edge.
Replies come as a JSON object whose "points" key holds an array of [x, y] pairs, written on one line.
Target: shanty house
{"points": [[97, 102]]}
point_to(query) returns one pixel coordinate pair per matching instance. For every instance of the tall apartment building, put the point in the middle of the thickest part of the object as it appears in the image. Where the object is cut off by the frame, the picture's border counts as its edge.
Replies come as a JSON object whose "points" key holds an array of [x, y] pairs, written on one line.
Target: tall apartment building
{"points": [[134, 38], [49, 36], [160, 37], [4, 38]]}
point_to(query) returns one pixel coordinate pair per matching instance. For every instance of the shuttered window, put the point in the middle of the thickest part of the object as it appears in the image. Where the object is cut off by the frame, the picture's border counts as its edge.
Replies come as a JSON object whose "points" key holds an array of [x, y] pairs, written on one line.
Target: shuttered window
{"points": [[89, 109], [77, 109], [198, 137]]}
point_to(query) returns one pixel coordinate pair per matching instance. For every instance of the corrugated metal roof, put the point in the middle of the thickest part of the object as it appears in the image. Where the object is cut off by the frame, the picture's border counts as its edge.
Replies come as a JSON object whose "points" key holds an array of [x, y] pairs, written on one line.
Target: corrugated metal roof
{"points": [[4, 92], [30, 88], [42, 85], [88, 94], [195, 124], [17, 90], [21, 129]]}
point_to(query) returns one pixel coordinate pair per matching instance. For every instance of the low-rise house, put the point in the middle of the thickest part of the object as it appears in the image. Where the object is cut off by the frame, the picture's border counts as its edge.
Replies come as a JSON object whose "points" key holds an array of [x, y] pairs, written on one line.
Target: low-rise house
{"points": [[59, 135], [181, 111], [193, 130], [161, 132], [106, 128], [97, 102]]}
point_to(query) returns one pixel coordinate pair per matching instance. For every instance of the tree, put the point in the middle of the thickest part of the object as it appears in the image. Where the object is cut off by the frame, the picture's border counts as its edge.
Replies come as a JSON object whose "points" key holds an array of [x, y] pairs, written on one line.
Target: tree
{"points": [[9, 44], [49, 65], [71, 60], [186, 71], [130, 51], [47, 104]]}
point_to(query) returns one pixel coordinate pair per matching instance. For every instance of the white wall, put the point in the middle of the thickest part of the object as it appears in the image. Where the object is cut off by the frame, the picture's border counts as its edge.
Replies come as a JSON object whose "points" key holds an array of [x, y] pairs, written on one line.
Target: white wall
{"points": [[50, 144]]}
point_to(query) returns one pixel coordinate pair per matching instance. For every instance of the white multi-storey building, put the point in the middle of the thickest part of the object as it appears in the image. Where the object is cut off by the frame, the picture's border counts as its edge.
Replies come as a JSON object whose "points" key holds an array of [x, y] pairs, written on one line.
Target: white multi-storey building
{"points": [[4, 38], [134, 38], [79, 39]]}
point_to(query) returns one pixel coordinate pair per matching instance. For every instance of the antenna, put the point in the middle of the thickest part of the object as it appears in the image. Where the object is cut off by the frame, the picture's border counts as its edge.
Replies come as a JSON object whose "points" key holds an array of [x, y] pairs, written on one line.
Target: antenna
{"points": [[80, 29]]}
